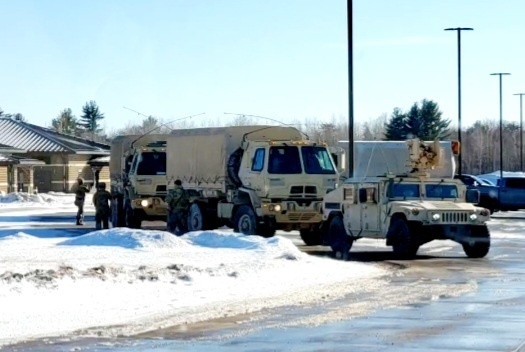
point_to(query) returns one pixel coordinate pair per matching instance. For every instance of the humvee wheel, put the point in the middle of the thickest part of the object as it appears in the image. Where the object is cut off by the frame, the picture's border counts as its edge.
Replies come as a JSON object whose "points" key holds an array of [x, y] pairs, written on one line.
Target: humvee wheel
{"points": [[338, 239], [478, 244], [245, 221], [404, 244], [311, 238]]}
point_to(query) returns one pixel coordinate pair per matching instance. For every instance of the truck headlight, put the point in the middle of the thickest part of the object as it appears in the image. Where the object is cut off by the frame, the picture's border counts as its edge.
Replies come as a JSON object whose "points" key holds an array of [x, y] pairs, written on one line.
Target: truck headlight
{"points": [[144, 203], [473, 217], [275, 207], [436, 217]]}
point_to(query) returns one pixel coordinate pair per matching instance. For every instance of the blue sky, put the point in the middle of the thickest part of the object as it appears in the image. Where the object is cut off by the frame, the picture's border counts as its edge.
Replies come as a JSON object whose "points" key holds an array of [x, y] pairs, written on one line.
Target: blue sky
{"points": [[285, 59]]}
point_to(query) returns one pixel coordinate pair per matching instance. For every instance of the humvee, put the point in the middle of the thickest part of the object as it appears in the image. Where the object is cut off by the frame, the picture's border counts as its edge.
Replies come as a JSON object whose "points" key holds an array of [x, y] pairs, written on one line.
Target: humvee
{"points": [[409, 207]]}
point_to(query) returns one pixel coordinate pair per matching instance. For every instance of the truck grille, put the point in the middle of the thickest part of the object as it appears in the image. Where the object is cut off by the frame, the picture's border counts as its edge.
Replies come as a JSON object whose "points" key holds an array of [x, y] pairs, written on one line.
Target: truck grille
{"points": [[301, 216], [454, 217], [303, 191]]}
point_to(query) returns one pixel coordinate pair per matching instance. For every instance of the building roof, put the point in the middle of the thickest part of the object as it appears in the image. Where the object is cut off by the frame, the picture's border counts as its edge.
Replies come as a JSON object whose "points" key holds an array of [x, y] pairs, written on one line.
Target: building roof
{"points": [[7, 149], [17, 160], [32, 138], [100, 161]]}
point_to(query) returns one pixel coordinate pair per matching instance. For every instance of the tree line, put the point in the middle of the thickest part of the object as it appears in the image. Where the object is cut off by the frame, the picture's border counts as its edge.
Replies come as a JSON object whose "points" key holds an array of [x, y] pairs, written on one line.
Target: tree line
{"points": [[480, 142]]}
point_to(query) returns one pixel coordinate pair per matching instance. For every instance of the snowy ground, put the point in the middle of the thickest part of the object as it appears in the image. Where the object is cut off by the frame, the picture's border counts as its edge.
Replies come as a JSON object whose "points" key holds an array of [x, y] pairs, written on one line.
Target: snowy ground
{"points": [[48, 200], [123, 281]]}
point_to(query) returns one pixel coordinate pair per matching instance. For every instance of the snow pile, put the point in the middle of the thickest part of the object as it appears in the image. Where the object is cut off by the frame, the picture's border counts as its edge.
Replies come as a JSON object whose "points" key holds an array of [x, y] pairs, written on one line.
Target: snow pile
{"points": [[51, 199], [123, 281]]}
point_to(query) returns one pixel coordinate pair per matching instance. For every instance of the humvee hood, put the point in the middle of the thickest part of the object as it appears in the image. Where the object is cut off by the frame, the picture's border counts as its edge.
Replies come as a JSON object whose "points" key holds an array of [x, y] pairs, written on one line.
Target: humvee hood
{"points": [[437, 205]]}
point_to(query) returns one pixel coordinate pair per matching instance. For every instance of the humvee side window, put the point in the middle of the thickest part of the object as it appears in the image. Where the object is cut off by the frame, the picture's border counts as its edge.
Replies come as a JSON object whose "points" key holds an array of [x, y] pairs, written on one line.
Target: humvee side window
{"points": [[370, 193], [258, 159]]}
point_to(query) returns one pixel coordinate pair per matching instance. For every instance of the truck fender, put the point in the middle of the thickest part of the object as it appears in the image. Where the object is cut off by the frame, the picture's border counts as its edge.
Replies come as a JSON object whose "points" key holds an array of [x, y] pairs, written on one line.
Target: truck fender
{"points": [[254, 199]]}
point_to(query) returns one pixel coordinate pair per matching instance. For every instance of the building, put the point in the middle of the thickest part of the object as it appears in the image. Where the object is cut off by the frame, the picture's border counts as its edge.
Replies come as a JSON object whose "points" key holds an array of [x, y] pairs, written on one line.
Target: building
{"points": [[34, 158]]}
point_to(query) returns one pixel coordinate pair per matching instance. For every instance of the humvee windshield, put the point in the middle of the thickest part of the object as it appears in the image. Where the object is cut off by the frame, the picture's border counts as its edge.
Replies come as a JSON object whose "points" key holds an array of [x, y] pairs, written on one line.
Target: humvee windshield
{"points": [[404, 190], [151, 163], [317, 161], [441, 191]]}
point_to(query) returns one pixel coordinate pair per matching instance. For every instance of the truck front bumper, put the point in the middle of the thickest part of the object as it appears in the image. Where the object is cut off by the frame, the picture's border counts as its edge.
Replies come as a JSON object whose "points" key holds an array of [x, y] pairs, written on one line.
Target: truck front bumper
{"points": [[151, 206], [292, 212]]}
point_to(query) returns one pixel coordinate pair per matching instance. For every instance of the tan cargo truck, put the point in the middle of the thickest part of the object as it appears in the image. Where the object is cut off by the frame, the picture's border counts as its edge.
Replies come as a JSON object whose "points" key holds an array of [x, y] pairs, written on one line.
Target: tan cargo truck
{"points": [[138, 179], [405, 192], [255, 179]]}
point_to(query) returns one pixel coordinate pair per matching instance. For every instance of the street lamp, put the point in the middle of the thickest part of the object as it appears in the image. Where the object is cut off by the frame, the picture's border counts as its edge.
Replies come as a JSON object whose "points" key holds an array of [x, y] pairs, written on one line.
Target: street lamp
{"points": [[459, 29], [350, 156], [521, 129], [500, 127]]}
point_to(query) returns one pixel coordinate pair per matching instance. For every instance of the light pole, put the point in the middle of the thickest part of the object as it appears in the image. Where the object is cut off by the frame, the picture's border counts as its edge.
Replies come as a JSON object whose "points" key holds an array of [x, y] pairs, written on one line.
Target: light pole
{"points": [[350, 156], [500, 126], [459, 29], [521, 129]]}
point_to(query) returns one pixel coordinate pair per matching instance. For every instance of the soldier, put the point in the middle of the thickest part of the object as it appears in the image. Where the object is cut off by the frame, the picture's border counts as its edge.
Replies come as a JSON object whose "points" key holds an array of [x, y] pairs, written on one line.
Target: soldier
{"points": [[101, 201], [80, 197], [178, 202]]}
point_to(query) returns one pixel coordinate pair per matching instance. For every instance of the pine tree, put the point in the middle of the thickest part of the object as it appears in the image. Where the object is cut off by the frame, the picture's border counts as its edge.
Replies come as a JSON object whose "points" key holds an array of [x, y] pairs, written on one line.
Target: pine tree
{"points": [[89, 121], [424, 122], [65, 122], [396, 127]]}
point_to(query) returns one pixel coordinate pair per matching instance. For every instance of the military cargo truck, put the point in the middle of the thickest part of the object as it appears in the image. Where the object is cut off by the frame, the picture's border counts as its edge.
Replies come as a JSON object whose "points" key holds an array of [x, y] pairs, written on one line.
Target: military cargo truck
{"points": [[138, 179], [405, 192], [255, 179]]}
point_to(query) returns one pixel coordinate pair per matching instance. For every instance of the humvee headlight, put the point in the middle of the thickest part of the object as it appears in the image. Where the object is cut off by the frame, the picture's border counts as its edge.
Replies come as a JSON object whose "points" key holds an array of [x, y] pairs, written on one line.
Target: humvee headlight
{"points": [[415, 211], [473, 217], [436, 217], [277, 207], [144, 203]]}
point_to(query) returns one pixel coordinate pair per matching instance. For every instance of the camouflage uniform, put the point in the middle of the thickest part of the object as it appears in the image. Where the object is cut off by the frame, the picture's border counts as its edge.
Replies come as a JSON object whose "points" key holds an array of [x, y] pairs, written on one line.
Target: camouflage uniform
{"points": [[101, 201], [80, 197], [178, 202]]}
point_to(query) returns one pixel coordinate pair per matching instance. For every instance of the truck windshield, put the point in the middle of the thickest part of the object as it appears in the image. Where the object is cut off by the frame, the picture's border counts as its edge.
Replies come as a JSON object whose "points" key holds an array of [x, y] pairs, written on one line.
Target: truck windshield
{"points": [[284, 160], [441, 191], [404, 190], [317, 161], [152, 163]]}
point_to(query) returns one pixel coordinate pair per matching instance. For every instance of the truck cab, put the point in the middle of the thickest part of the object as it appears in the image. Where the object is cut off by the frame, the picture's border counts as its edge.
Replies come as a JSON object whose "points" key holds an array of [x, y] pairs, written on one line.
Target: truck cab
{"points": [[407, 210]]}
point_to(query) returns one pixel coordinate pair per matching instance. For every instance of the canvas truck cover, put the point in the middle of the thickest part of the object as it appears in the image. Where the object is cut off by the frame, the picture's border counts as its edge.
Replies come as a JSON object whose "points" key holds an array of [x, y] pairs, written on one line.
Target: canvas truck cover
{"points": [[199, 156], [121, 145], [376, 158]]}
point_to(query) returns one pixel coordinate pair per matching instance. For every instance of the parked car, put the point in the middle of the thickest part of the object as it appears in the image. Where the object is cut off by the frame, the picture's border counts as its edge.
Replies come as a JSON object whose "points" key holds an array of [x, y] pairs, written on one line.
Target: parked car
{"points": [[489, 194], [512, 192]]}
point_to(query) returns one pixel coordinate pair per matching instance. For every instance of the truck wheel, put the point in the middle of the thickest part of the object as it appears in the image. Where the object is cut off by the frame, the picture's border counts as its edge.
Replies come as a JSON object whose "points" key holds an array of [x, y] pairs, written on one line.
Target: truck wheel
{"points": [[133, 221], [245, 221], [197, 218], [478, 244], [404, 243], [311, 238], [338, 239], [265, 231]]}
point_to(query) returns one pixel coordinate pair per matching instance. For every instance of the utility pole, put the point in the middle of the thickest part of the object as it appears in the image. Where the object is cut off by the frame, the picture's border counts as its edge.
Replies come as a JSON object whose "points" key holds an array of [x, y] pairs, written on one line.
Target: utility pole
{"points": [[521, 129], [459, 29], [350, 156], [500, 125]]}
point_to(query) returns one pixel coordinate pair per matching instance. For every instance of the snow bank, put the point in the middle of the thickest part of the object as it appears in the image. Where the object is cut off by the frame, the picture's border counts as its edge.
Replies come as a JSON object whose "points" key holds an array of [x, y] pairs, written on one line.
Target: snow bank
{"points": [[123, 281], [51, 199]]}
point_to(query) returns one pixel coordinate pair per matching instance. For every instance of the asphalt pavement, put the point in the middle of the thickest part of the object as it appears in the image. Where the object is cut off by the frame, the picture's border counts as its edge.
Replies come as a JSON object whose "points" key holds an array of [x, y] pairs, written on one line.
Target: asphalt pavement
{"points": [[441, 301]]}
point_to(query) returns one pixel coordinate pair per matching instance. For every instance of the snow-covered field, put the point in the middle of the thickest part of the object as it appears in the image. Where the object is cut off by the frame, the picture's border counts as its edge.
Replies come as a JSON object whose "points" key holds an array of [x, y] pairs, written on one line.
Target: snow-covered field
{"points": [[27, 200], [123, 281]]}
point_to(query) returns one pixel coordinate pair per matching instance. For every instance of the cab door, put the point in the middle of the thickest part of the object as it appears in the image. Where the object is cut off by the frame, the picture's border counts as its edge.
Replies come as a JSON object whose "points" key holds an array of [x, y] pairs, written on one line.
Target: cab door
{"points": [[370, 213]]}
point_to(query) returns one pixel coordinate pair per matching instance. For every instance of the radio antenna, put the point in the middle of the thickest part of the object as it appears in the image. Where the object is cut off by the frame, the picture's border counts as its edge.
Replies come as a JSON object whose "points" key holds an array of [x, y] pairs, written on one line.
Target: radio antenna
{"points": [[270, 119]]}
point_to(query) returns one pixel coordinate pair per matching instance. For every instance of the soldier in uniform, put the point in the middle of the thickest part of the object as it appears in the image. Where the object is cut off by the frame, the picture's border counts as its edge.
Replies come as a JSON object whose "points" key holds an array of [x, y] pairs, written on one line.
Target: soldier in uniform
{"points": [[80, 198], [178, 202], [102, 203]]}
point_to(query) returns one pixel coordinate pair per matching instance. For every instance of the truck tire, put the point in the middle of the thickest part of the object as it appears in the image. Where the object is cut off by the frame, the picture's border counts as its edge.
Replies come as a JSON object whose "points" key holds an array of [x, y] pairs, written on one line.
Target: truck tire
{"points": [[338, 239], [405, 244], [478, 245], [133, 220], [197, 218], [311, 237], [245, 221]]}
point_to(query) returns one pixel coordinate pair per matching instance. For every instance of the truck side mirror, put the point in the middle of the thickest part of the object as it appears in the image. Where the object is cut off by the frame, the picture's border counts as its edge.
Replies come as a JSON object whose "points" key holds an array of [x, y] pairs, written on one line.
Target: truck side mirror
{"points": [[473, 196], [363, 196]]}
